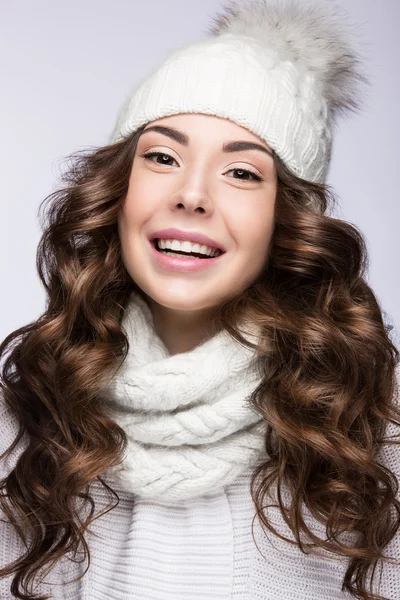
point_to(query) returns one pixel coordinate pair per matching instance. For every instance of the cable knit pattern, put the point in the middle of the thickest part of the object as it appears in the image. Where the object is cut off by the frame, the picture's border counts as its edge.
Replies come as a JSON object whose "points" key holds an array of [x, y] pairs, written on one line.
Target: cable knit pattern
{"points": [[190, 427], [196, 549], [282, 70]]}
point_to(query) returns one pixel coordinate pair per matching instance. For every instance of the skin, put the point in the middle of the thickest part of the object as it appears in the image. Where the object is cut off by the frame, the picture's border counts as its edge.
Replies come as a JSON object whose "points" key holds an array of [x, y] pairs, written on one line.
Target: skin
{"points": [[197, 190]]}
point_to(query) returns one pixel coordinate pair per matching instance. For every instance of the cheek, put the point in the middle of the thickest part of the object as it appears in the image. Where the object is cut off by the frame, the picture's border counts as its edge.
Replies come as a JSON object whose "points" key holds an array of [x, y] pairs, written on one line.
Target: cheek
{"points": [[139, 202], [253, 226]]}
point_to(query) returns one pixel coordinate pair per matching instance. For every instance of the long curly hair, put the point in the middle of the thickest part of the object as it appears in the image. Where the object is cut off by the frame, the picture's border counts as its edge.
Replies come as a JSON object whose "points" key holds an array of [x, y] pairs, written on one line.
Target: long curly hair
{"points": [[328, 364]]}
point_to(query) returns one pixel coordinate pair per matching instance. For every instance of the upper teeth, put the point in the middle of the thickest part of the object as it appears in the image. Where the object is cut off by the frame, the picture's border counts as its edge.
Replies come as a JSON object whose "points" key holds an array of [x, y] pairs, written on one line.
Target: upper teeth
{"points": [[187, 246]]}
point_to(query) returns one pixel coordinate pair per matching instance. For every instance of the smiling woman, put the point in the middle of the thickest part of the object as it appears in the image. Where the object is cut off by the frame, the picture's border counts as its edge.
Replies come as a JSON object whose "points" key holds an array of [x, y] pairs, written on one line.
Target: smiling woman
{"points": [[212, 365], [199, 194]]}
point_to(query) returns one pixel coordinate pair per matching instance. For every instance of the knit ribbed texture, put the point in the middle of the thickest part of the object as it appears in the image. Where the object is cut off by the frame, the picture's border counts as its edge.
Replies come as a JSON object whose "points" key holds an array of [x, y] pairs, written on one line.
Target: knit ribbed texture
{"points": [[283, 70], [190, 426], [206, 79], [198, 549]]}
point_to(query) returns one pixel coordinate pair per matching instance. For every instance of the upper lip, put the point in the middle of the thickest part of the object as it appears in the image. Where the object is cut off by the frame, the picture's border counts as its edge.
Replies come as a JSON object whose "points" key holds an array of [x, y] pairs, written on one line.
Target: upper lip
{"points": [[193, 236]]}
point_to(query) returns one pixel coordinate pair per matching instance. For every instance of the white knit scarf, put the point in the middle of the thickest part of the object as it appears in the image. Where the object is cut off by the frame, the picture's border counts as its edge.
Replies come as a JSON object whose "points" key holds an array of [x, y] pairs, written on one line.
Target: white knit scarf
{"points": [[190, 427]]}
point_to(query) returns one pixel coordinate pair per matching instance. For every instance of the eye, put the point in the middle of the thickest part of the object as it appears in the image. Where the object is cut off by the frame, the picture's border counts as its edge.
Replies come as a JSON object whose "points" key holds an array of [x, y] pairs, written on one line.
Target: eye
{"points": [[150, 155], [245, 172]]}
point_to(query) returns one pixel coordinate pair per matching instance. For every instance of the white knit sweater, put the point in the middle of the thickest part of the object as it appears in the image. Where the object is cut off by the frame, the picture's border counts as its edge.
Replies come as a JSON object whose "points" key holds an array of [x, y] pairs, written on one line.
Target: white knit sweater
{"points": [[198, 549]]}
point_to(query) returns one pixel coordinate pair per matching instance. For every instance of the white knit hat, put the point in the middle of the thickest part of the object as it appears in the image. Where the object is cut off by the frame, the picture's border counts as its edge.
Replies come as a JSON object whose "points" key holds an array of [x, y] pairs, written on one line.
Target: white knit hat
{"points": [[282, 69]]}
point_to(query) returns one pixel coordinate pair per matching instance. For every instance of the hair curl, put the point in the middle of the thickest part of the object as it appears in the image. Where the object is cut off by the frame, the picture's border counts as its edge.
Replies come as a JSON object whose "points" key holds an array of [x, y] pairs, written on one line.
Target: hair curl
{"points": [[327, 361]]}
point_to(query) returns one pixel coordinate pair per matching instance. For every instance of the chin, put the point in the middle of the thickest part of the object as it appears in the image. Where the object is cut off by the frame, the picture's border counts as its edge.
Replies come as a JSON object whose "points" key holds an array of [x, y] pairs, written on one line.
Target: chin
{"points": [[182, 303]]}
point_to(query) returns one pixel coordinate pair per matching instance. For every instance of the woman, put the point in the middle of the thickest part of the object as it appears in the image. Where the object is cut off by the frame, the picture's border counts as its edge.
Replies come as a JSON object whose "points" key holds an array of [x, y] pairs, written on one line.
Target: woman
{"points": [[204, 408]]}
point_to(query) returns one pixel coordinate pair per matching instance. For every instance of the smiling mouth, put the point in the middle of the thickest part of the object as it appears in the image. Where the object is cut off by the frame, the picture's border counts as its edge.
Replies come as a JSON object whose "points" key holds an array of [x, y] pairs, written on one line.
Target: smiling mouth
{"points": [[178, 253]]}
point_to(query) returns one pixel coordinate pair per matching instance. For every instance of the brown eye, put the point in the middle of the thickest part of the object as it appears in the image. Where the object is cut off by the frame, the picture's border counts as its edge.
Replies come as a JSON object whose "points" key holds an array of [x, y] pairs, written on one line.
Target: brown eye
{"points": [[164, 157], [243, 173]]}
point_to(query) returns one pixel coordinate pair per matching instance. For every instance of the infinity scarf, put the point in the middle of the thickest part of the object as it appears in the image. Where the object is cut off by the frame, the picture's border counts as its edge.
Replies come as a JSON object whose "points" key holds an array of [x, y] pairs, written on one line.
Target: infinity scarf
{"points": [[190, 427]]}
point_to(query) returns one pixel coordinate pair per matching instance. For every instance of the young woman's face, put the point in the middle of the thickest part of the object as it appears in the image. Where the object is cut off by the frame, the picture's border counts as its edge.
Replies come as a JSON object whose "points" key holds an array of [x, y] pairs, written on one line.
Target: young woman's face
{"points": [[198, 188]]}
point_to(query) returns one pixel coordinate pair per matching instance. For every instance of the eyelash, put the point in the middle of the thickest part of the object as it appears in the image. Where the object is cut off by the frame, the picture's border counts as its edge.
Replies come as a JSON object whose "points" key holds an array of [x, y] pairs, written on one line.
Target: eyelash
{"points": [[256, 177]]}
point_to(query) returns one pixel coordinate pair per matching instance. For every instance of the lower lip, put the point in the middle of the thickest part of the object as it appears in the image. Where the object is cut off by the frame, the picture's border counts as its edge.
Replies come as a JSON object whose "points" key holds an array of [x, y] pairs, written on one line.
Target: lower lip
{"points": [[173, 263]]}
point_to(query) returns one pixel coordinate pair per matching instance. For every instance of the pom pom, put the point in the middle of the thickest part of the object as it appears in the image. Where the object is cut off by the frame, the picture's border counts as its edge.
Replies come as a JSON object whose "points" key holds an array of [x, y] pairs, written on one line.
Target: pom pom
{"points": [[316, 37]]}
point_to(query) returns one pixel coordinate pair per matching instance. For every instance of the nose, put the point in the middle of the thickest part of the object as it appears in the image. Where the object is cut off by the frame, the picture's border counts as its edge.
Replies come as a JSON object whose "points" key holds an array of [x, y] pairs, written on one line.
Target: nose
{"points": [[193, 191]]}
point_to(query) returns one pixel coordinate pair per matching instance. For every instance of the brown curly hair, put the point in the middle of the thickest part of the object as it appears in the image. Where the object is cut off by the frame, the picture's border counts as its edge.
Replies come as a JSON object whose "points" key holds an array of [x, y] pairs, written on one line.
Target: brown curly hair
{"points": [[326, 356]]}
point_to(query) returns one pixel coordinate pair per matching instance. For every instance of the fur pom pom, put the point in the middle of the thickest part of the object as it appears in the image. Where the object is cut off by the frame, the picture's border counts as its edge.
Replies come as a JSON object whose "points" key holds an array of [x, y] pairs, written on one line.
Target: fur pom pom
{"points": [[315, 36]]}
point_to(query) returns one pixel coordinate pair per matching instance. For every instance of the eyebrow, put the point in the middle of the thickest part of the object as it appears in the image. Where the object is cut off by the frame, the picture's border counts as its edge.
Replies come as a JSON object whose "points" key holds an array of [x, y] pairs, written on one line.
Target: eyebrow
{"points": [[182, 138]]}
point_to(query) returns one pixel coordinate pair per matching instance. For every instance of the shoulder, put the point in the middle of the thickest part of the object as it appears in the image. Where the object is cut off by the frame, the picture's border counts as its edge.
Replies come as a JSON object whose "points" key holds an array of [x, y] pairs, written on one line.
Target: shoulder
{"points": [[9, 428], [389, 455], [390, 452]]}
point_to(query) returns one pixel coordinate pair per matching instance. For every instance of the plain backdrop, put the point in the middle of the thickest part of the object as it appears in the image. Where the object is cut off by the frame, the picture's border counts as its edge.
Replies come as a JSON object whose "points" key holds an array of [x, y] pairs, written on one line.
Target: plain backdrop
{"points": [[67, 67]]}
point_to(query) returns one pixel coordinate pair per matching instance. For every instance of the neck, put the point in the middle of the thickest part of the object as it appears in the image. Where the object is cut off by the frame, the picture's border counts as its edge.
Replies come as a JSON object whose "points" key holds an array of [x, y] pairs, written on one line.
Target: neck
{"points": [[181, 330]]}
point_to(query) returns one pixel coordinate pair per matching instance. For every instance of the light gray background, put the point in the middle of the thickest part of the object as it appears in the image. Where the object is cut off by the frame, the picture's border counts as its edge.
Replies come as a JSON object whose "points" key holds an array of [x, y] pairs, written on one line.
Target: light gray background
{"points": [[66, 68]]}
